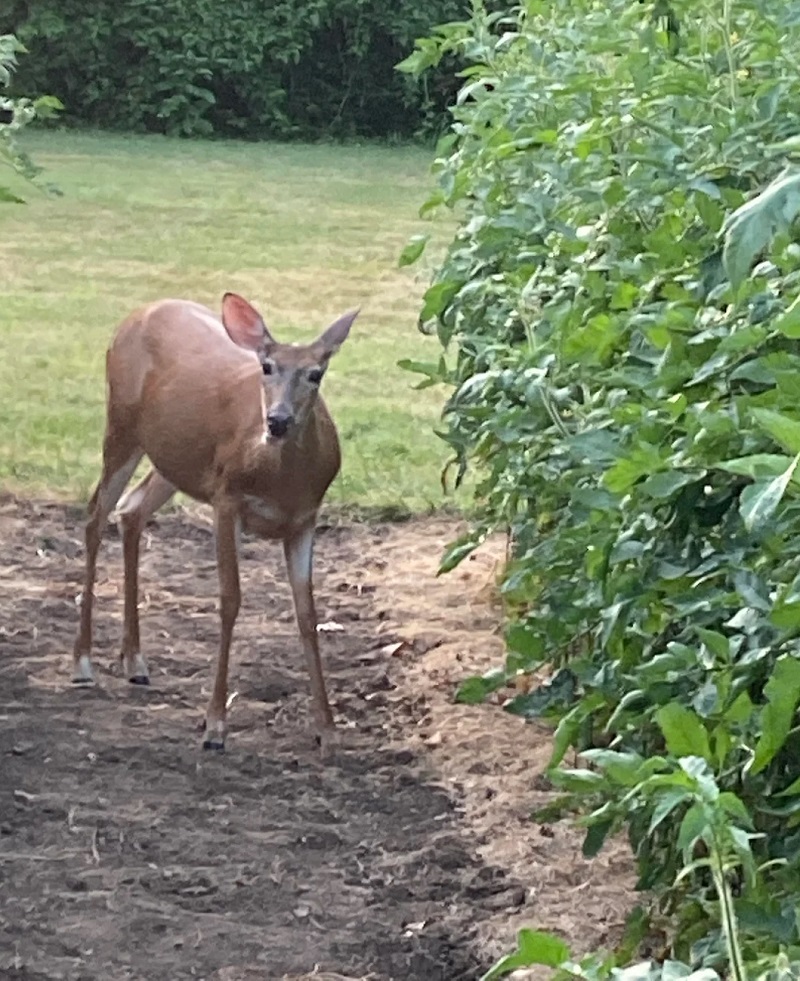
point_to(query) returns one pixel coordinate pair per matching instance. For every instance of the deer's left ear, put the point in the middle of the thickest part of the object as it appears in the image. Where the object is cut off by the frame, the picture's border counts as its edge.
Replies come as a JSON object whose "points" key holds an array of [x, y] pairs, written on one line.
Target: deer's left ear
{"points": [[332, 338], [244, 324]]}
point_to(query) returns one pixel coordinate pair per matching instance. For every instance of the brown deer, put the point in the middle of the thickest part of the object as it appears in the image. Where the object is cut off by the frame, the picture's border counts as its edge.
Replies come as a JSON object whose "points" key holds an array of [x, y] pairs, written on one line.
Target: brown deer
{"points": [[234, 419]]}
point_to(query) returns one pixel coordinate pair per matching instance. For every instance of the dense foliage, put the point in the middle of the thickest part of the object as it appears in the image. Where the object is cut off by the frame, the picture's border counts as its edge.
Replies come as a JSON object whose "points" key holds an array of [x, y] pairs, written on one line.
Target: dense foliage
{"points": [[14, 115], [249, 68], [619, 312]]}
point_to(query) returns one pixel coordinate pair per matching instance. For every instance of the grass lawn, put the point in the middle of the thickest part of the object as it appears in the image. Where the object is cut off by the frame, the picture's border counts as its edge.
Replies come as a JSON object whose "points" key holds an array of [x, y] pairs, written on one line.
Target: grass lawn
{"points": [[305, 232]]}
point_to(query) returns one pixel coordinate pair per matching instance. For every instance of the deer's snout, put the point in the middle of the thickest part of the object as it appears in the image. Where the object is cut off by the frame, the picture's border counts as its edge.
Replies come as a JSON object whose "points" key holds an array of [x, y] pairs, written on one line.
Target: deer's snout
{"points": [[278, 422]]}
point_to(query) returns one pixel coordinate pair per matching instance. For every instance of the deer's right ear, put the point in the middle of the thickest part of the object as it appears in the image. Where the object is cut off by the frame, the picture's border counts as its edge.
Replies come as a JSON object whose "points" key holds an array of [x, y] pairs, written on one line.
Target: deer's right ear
{"points": [[244, 324]]}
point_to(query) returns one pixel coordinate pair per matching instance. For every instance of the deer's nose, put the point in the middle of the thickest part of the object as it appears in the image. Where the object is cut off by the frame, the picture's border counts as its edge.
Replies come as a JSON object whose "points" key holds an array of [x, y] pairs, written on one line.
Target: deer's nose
{"points": [[278, 422]]}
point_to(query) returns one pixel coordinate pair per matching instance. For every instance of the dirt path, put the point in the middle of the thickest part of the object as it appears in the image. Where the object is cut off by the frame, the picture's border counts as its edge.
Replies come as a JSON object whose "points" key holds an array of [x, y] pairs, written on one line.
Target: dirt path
{"points": [[128, 853]]}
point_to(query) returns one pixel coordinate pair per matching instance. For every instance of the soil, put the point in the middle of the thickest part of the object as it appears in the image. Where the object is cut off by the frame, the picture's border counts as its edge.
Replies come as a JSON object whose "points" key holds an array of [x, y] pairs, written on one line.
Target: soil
{"points": [[126, 852]]}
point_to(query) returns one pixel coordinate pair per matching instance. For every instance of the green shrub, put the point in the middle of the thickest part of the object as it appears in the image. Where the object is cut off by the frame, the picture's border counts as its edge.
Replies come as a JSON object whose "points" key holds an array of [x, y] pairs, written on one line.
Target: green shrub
{"points": [[620, 320], [308, 68], [15, 114]]}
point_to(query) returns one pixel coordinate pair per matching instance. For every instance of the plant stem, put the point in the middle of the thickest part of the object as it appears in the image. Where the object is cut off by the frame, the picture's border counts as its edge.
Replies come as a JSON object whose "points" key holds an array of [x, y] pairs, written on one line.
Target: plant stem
{"points": [[727, 32], [729, 926]]}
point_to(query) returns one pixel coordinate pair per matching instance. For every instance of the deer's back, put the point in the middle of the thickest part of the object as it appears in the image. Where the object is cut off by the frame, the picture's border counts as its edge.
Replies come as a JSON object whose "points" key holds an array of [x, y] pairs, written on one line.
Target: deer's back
{"points": [[192, 396]]}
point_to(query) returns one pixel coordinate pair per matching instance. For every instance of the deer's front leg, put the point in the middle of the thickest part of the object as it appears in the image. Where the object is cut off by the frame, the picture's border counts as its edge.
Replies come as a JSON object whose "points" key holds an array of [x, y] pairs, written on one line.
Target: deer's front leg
{"points": [[226, 527], [298, 550]]}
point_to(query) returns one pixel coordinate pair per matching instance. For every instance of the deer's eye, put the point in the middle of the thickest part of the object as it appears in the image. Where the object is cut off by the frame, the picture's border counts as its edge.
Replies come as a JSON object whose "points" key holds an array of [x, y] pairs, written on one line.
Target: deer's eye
{"points": [[315, 376], [267, 367]]}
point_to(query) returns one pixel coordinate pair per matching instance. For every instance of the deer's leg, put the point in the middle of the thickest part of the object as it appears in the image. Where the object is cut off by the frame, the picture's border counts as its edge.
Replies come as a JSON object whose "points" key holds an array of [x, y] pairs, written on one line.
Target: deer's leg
{"points": [[226, 521], [119, 462], [147, 496], [298, 550]]}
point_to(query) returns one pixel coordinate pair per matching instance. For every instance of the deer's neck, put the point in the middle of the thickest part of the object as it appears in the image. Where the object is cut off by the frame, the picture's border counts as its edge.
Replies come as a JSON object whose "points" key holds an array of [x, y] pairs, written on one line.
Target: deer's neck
{"points": [[301, 465], [284, 486]]}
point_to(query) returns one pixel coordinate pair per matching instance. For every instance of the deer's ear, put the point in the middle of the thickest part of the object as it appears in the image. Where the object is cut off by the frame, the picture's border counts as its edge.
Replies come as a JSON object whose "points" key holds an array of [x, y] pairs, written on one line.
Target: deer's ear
{"points": [[332, 338], [244, 324]]}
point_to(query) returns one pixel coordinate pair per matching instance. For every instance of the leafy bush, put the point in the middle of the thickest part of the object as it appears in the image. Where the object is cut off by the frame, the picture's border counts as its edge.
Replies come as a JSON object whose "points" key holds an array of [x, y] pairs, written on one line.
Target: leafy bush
{"points": [[14, 115], [619, 315], [244, 67]]}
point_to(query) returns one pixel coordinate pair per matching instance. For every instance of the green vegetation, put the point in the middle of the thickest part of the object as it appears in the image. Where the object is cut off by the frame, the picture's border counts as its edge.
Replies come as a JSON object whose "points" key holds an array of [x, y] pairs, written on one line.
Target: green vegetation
{"points": [[288, 68], [304, 232], [15, 114], [619, 316]]}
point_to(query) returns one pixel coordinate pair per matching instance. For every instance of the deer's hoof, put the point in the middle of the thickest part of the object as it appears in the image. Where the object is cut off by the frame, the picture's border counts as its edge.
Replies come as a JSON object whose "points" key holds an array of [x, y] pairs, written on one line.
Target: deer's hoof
{"points": [[214, 736], [136, 669], [83, 676], [328, 742]]}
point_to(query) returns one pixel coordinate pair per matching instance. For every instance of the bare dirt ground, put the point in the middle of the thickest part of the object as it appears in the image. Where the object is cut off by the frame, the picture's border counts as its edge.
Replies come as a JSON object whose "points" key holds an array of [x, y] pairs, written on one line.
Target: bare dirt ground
{"points": [[126, 852]]}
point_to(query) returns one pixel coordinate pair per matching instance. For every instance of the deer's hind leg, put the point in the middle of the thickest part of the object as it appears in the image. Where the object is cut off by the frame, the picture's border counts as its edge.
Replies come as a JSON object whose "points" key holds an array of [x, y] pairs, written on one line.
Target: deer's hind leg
{"points": [[120, 459], [144, 499]]}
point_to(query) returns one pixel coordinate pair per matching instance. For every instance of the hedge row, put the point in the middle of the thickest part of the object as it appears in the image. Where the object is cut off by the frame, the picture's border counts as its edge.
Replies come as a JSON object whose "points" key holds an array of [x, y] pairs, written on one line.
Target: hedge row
{"points": [[247, 68]]}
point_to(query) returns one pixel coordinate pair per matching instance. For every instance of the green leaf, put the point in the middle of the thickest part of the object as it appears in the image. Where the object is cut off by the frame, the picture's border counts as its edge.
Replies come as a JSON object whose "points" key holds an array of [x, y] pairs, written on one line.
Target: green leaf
{"points": [[759, 466], [557, 693], [595, 837], [624, 296], [740, 710], [693, 826], [698, 770], [579, 781], [473, 691], [523, 640], [782, 428], [760, 501], [437, 299], [736, 807], [783, 693], [665, 804], [622, 768], [533, 947], [788, 323], [570, 726], [677, 971], [792, 790], [786, 615], [674, 971], [751, 228], [646, 971], [413, 250], [428, 368], [684, 733], [643, 460], [717, 643], [458, 551], [664, 485]]}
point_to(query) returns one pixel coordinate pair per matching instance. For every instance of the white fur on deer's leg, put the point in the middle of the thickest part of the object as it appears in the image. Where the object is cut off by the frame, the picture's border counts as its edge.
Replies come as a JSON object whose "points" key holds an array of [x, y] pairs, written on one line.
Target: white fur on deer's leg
{"points": [[214, 737], [298, 550], [136, 670], [83, 672]]}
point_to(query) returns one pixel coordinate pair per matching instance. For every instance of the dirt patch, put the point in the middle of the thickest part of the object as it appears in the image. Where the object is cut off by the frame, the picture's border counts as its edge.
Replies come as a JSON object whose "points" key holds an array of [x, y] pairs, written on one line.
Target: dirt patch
{"points": [[128, 853], [493, 762]]}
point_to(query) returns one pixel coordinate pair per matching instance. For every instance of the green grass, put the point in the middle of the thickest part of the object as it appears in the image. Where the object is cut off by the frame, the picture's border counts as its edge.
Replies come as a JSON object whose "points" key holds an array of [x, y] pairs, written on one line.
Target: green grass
{"points": [[305, 232]]}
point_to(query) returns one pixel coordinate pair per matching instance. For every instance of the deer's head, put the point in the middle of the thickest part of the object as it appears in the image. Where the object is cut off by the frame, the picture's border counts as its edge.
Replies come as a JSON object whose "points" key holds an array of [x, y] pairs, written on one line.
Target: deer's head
{"points": [[292, 373]]}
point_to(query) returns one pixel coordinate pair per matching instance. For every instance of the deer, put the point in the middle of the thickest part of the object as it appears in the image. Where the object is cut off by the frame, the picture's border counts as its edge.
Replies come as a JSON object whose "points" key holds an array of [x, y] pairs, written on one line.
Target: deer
{"points": [[233, 418]]}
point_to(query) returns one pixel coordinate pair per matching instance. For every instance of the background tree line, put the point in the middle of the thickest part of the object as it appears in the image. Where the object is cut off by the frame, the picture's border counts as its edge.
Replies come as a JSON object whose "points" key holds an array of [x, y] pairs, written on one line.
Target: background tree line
{"points": [[247, 68]]}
